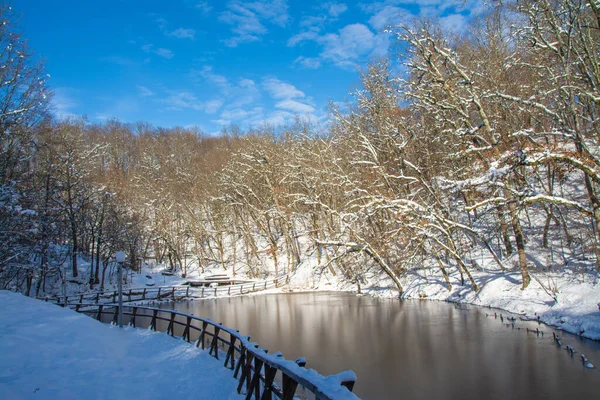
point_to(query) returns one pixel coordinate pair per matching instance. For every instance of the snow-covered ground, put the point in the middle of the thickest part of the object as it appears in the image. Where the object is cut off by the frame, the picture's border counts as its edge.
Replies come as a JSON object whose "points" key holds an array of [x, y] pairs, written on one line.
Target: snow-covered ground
{"points": [[48, 352]]}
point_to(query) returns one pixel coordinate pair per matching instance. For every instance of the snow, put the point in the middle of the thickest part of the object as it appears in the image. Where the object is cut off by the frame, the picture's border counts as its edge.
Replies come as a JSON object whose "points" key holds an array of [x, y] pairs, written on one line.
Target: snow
{"points": [[53, 353]]}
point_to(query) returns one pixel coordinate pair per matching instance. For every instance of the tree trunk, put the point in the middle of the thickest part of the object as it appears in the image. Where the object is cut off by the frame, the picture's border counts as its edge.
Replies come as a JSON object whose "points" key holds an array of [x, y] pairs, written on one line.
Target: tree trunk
{"points": [[520, 240]]}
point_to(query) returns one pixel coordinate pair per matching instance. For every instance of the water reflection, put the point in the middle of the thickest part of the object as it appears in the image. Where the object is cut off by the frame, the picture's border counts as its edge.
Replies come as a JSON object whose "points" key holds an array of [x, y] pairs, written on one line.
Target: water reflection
{"points": [[410, 349]]}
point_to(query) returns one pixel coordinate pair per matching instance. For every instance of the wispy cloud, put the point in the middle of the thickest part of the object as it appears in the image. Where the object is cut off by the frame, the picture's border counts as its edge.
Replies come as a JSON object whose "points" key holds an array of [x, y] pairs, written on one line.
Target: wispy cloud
{"points": [[144, 91], [301, 37], [389, 15], [183, 100], [183, 33], [345, 48], [307, 62], [212, 106], [63, 103], [203, 6], [295, 106], [164, 53], [246, 19], [281, 90], [335, 9], [161, 52], [290, 98]]}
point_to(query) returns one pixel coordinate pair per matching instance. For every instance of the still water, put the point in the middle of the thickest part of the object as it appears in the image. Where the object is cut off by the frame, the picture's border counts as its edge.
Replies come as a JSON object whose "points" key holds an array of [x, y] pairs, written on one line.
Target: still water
{"points": [[411, 349]]}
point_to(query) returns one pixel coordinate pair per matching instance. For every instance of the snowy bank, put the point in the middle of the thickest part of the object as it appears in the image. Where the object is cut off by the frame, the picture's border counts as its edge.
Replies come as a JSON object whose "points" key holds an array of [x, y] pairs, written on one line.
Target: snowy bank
{"points": [[565, 300], [53, 353]]}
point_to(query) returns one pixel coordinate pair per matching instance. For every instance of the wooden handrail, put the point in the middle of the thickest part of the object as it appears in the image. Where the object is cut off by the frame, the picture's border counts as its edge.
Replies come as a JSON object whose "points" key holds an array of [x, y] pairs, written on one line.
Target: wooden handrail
{"points": [[262, 374], [176, 291]]}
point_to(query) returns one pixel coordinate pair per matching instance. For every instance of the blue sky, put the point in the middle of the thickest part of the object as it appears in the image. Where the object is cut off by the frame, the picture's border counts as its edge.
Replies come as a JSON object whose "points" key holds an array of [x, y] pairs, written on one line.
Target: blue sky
{"points": [[213, 63]]}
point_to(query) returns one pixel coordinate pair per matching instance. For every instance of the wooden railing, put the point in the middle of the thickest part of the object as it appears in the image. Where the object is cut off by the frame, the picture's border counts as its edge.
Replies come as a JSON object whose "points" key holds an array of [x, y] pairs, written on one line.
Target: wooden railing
{"points": [[260, 375], [169, 292]]}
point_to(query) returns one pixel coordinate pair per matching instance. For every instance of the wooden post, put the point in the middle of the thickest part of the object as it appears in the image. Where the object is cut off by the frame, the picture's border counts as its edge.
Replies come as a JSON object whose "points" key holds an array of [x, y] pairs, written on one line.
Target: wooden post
{"points": [[171, 326], [245, 377], [202, 333], [241, 361], [289, 387], [214, 345], [187, 292], [229, 290], [348, 384], [158, 295], [132, 320], [97, 297], [186, 331], [173, 294], [144, 294], [270, 373], [81, 298], [116, 317], [231, 352], [114, 297], [202, 295], [153, 322], [129, 295], [254, 386], [276, 282], [99, 316]]}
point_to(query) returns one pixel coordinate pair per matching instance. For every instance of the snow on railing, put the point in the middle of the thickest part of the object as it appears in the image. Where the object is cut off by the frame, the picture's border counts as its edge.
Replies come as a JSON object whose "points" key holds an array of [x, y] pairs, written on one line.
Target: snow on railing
{"points": [[260, 375], [171, 292]]}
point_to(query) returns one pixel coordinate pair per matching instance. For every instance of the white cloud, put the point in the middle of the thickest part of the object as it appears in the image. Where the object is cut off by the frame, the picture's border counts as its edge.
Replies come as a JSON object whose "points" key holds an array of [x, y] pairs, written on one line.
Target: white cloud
{"points": [[275, 118], [164, 53], [246, 83], [183, 100], [454, 23], [212, 106], [281, 90], [313, 22], [63, 103], [183, 33], [302, 36], [161, 52], [335, 9], [239, 113], [221, 121], [218, 80], [352, 42], [307, 62], [295, 106], [162, 23], [246, 19], [388, 15], [203, 6], [144, 91]]}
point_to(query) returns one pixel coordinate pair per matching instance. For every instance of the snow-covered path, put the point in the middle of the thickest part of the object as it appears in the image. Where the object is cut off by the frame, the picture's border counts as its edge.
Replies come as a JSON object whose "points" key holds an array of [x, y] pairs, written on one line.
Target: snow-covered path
{"points": [[47, 352]]}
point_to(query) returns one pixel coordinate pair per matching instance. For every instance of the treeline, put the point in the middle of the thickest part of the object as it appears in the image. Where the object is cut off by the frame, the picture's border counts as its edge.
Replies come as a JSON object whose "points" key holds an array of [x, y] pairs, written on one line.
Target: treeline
{"points": [[482, 146]]}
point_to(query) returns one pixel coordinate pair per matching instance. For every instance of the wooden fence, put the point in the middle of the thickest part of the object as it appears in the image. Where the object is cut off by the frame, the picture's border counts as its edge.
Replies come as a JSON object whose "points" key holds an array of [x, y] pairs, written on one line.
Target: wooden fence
{"points": [[260, 375], [170, 292]]}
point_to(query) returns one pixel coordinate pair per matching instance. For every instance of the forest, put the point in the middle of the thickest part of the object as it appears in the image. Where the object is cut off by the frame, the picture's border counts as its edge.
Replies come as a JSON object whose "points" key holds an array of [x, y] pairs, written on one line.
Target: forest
{"points": [[456, 147]]}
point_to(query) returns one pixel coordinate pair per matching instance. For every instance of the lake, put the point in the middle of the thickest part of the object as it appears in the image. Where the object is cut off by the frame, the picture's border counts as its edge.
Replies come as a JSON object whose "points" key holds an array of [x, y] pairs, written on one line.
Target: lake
{"points": [[415, 349]]}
